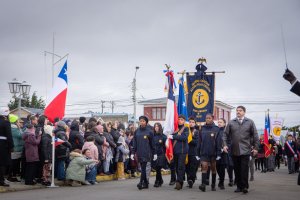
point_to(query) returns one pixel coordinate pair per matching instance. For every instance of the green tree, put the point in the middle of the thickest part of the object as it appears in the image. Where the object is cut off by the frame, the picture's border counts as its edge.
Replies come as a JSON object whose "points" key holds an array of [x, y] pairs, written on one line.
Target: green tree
{"points": [[33, 102]]}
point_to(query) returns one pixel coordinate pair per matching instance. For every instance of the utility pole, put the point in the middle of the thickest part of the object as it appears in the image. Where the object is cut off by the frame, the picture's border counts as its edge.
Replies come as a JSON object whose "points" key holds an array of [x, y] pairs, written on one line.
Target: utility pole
{"points": [[53, 61], [112, 106], [102, 106], [134, 94]]}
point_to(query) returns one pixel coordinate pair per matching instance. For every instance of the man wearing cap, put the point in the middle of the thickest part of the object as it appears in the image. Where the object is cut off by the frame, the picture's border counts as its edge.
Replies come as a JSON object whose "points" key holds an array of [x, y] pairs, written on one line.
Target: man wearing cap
{"points": [[144, 149], [180, 150], [6, 144]]}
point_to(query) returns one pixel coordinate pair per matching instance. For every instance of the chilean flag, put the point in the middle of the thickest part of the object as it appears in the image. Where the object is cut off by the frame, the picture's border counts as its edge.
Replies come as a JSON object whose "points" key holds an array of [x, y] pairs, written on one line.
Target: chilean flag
{"points": [[171, 123], [58, 142], [266, 136], [56, 101]]}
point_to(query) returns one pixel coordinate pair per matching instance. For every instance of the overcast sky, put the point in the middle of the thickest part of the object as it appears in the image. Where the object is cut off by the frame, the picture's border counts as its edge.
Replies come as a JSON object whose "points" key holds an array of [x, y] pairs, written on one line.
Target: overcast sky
{"points": [[107, 39]]}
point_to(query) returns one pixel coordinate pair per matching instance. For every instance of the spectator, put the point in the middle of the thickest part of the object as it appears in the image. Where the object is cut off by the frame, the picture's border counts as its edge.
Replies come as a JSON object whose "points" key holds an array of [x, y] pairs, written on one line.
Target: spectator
{"points": [[90, 144], [122, 153], [75, 138], [91, 169]]}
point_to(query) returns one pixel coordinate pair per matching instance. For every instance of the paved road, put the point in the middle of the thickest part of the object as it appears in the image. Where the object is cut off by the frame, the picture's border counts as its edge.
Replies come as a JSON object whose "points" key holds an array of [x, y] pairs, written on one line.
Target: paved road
{"points": [[271, 186]]}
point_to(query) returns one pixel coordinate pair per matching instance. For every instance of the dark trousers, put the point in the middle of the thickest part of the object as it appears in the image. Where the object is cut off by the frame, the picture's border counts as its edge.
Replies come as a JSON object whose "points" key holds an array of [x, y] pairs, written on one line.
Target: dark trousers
{"points": [[277, 161], [143, 178], [14, 169], [192, 168], [241, 170], [173, 171], [221, 171], [179, 160], [230, 173], [158, 174], [60, 172], [2, 171], [30, 173]]}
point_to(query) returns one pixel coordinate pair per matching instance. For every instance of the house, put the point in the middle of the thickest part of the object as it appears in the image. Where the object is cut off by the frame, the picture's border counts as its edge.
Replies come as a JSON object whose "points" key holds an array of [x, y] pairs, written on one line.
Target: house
{"points": [[25, 111], [155, 109]]}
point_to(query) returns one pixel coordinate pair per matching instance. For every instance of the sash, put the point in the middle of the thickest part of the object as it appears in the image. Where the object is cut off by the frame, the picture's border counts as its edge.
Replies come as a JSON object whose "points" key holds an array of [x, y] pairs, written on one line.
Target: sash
{"points": [[289, 146]]}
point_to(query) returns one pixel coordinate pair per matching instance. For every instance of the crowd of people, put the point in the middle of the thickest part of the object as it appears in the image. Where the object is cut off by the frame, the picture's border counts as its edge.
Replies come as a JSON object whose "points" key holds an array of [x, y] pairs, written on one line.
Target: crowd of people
{"points": [[87, 148]]}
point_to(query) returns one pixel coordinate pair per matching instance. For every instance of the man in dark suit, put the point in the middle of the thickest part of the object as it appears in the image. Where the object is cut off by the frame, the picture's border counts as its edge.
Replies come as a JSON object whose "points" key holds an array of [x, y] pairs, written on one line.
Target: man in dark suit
{"points": [[289, 76], [6, 144]]}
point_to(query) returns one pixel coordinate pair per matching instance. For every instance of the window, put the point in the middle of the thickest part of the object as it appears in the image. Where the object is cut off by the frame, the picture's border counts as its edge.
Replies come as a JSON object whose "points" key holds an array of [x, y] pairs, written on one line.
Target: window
{"points": [[163, 113], [159, 114], [153, 113]]}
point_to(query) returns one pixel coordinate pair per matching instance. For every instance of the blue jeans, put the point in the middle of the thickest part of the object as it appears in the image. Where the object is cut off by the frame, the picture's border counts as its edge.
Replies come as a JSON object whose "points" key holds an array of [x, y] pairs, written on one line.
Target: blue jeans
{"points": [[60, 169], [91, 175]]}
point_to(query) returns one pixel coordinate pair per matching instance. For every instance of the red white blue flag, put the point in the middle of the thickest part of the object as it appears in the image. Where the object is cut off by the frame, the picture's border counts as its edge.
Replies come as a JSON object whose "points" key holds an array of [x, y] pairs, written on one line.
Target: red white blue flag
{"points": [[171, 123], [56, 102], [58, 142]]}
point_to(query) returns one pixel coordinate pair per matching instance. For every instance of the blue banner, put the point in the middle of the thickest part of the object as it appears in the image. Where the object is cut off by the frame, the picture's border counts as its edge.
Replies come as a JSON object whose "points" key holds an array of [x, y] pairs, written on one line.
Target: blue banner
{"points": [[201, 98]]}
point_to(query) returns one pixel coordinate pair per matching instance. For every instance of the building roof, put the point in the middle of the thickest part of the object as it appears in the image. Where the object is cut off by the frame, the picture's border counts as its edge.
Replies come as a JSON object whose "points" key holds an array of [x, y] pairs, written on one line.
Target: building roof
{"points": [[164, 101], [30, 110]]}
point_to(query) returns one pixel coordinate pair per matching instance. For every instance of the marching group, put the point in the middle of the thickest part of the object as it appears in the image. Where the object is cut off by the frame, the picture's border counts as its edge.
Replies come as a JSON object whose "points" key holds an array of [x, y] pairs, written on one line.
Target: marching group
{"points": [[87, 148]]}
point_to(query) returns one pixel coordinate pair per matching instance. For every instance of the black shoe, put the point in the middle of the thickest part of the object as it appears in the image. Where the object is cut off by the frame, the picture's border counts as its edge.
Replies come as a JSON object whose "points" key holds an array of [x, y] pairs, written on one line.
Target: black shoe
{"points": [[221, 186], [156, 184], [237, 190], [190, 183], [213, 187], [140, 186], [207, 182], [4, 184], [202, 187], [178, 186], [160, 183], [145, 186], [245, 191], [172, 183], [252, 178], [230, 184]]}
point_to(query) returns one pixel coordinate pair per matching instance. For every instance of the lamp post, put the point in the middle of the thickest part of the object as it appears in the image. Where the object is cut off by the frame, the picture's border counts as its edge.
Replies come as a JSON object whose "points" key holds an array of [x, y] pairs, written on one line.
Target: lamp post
{"points": [[19, 91]]}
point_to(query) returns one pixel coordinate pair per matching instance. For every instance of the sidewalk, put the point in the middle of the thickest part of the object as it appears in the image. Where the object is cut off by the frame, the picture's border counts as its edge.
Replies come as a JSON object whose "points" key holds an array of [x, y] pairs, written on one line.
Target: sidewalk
{"points": [[17, 186]]}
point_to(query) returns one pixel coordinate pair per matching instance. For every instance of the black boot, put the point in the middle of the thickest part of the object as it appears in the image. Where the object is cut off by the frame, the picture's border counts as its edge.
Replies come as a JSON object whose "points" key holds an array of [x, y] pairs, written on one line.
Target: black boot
{"points": [[140, 185], [172, 182], [178, 186], [230, 184], [203, 185], [145, 185], [213, 182], [221, 185], [160, 182], [156, 184], [190, 183]]}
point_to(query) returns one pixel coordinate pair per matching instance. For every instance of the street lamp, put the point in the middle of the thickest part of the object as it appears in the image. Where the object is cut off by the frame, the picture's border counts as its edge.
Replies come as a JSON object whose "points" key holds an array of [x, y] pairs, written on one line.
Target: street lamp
{"points": [[19, 91], [134, 94]]}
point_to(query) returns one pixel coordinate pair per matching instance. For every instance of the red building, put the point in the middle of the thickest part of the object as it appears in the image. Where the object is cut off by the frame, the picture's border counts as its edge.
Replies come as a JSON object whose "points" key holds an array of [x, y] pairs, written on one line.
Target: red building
{"points": [[155, 110]]}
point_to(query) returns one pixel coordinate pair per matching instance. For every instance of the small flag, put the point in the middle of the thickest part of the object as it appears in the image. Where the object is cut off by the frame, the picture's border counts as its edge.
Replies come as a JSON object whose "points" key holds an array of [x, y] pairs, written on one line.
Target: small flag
{"points": [[58, 142]]}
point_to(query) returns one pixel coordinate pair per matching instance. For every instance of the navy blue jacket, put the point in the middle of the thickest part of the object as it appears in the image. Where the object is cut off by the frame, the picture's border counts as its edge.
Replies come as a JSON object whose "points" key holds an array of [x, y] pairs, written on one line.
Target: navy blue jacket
{"points": [[210, 138], [143, 144], [180, 143], [159, 141], [193, 145]]}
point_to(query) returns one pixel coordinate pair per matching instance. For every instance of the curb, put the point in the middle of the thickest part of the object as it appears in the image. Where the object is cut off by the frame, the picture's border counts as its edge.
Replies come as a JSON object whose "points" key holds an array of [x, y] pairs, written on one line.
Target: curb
{"points": [[16, 187]]}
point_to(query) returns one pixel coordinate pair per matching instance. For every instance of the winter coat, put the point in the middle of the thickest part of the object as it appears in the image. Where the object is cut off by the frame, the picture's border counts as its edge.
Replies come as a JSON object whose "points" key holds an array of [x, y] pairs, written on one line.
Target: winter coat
{"points": [[31, 146], [287, 150], [75, 138], [105, 145], [17, 138], [143, 144], [194, 143], [62, 151], [122, 153], [243, 136], [110, 141], [6, 142], [224, 156], [46, 147], [210, 142], [115, 134], [160, 148], [180, 141], [93, 148], [77, 167]]}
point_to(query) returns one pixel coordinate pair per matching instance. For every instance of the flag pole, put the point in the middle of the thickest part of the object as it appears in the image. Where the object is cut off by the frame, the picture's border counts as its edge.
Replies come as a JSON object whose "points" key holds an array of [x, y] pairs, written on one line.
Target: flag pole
{"points": [[53, 163]]}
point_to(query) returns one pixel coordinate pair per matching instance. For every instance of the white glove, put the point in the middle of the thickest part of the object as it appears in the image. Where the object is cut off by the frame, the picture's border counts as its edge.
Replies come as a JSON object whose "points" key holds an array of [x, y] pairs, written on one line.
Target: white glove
{"points": [[295, 155], [285, 157], [170, 136], [250, 158], [218, 158], [155, 157], [197, 157], [132, 157]]}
